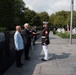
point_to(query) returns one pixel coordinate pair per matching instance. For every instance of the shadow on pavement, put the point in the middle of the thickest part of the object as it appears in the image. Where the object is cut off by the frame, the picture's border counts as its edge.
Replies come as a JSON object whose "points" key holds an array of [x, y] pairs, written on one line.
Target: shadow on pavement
{"points": [[52, 38], [29, 66], [60, 56]]}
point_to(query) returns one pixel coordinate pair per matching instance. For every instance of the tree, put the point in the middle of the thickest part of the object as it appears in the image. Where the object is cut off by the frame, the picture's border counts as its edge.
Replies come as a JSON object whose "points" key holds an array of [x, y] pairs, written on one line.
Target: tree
{"points": [[74, 19], [44, 16], [11, 13], [61, 19], [32, 18], [52, 18], [6, 13], [20, 9], [67, 21]]}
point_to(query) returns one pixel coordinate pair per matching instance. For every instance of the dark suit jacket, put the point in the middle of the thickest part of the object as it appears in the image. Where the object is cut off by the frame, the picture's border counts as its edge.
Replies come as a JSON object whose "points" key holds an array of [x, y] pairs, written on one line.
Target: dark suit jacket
{"points": [[27, 35]]}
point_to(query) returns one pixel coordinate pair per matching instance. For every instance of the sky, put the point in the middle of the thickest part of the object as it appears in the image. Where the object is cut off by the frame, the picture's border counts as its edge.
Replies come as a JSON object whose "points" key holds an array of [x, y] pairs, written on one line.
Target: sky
{"points": [[50, 6]]}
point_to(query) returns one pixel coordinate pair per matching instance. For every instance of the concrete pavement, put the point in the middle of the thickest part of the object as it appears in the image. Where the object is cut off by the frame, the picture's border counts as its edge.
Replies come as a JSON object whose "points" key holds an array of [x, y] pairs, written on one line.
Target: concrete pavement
{"points": [[63, 61]]}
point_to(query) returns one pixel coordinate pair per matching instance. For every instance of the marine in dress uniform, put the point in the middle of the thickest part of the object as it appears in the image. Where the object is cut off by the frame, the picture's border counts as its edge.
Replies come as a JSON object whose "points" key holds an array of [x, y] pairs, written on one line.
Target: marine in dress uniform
{"points": [[45, 40]]}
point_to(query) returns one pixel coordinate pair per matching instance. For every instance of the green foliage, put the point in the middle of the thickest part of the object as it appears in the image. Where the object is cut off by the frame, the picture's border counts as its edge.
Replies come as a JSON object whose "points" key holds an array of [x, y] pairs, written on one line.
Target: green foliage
{"points": [[66, 35], [74, 19], [14, 12], [6, 13], [32, 18], [74, 36], [2, 29], [11, 13], [52, 18], [63, 35], [44, 16], [60, 19], [19, 7]]}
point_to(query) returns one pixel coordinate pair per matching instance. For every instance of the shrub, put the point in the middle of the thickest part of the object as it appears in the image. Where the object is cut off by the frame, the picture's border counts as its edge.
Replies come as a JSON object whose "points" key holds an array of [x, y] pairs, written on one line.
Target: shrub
{"points": [[74, 36], [65, 35]]}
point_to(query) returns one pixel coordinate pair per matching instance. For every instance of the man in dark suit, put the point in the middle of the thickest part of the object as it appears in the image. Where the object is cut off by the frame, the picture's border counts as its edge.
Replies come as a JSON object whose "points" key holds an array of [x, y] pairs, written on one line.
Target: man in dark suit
{"points": [[27, 35], [34, 30]]}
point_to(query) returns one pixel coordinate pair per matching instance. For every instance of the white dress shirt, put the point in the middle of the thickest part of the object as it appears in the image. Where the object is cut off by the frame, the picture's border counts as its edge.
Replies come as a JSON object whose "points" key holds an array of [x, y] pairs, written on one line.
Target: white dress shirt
{"points": [[18, 40]]}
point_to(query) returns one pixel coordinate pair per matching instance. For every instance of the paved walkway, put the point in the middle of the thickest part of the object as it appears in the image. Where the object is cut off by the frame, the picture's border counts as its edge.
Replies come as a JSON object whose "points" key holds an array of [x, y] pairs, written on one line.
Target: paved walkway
{"points": [[63, 61]]}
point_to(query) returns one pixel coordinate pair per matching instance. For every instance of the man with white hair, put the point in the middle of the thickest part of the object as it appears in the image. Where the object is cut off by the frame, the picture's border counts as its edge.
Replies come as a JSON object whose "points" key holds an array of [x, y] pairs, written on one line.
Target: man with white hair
{"points": [[27, 35]]}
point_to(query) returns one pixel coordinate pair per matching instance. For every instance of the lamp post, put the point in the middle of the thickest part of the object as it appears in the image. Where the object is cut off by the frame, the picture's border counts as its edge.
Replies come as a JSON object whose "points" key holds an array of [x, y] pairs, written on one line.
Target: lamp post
{"points": [[71, 20]]}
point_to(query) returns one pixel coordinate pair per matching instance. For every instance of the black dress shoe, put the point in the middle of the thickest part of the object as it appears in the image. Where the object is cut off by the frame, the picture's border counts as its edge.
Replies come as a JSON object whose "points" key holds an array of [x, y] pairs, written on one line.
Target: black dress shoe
{"points": [[27, 59], [22, 64], [43, 60], [19, 66], [34, 44]]}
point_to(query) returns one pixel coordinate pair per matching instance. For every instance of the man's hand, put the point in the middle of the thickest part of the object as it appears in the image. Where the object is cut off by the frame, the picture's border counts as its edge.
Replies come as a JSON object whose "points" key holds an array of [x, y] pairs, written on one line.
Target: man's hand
{"points": [[46, 40], [46, 32]]}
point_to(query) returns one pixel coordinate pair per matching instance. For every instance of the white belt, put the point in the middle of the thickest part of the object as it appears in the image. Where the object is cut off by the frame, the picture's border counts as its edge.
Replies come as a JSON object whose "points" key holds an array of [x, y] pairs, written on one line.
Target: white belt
{"points": [[43, 37]]}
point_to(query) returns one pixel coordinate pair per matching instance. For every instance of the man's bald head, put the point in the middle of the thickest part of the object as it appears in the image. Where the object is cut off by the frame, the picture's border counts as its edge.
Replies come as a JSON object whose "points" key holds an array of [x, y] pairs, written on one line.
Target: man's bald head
{"points": [[18, 28], [26, 25]]}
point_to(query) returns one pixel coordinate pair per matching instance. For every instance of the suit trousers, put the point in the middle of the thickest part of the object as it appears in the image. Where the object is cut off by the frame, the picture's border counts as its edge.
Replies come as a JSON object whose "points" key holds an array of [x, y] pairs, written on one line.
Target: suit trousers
{"points": [[27, 48], [34, 39], [45, 49], [18, 57]]}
